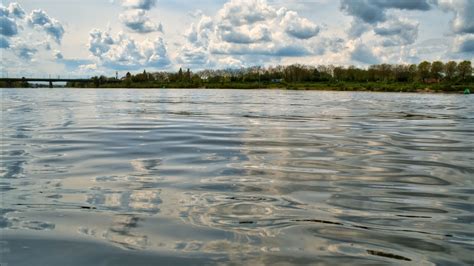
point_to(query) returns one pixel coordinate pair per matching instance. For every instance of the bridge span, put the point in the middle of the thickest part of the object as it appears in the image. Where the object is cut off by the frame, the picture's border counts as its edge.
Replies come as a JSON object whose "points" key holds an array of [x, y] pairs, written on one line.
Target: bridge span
{"points": [[49, 80]]}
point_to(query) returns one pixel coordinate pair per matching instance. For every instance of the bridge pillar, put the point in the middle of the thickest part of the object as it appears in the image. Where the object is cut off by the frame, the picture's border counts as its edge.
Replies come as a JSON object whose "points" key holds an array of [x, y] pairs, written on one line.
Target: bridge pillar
{"points": [[50, 84]]}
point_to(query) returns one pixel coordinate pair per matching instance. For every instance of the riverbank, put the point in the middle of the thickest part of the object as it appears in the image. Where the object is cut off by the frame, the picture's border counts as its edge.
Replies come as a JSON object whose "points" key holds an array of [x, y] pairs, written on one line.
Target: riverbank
{"points": [[444, 87], [323, 86]]}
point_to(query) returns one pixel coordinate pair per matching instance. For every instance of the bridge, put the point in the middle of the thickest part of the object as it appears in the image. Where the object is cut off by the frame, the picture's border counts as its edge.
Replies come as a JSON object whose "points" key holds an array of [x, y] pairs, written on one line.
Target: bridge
{"points": [[48, 80]]}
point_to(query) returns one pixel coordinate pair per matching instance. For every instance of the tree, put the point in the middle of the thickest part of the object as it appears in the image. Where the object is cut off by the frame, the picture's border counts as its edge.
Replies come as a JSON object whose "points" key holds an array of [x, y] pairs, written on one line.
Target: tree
{"points": [[465, 70], [188, 75], [386, 72], [339, 73], [412, 70], [450, 69], [424, 69], [437, 70], [180, 74]]}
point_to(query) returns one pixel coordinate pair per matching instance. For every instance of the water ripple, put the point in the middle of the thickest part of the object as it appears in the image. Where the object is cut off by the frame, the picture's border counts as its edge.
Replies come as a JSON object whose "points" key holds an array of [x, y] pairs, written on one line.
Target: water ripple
{"points": [[239, 177]]}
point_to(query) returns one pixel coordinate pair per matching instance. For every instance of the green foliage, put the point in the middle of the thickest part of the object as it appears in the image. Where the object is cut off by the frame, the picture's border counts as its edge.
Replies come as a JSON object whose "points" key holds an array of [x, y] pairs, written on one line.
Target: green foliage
{"points": [[426, 76]]}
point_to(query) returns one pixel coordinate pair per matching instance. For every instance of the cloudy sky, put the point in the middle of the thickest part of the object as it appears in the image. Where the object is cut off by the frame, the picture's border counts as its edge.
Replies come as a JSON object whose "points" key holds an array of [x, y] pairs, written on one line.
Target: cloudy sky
{"points": [[91, 37]]}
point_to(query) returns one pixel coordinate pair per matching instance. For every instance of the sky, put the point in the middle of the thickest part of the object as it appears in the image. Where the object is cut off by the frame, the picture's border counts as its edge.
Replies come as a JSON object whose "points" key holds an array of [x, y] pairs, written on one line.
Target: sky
{"points": [[80, 38]]}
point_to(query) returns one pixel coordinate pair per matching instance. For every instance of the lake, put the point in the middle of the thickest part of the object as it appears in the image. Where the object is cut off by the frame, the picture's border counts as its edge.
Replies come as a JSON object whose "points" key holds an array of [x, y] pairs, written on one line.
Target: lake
{"points": [[260, 177]]}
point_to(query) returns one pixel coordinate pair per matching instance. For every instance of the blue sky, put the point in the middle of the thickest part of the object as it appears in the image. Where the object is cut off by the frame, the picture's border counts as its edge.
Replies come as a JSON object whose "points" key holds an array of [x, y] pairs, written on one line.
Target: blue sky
{"points": [[91, 37]]}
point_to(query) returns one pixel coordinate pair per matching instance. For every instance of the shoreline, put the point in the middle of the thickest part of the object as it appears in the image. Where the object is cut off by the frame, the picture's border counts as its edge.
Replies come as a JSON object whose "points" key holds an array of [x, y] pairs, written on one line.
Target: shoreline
{"points": [[335, 89]]}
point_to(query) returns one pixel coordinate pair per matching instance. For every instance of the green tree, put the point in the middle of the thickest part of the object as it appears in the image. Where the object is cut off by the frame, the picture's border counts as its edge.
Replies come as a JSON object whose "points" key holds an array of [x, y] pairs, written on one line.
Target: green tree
{"points": [[412, 70], [180, 74], [465, 70], [424, 69], [188, 75], [437, 70], [450, 69]]}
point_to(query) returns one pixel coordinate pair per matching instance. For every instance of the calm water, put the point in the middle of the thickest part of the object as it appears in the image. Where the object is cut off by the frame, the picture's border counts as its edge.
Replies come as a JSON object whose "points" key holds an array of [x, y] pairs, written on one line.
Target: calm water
{"points": [[148, 177]]}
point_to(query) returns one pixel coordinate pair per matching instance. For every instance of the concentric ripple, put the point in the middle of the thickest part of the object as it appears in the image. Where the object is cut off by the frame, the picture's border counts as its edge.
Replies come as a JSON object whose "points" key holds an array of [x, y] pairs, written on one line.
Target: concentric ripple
{"points": [[121, 177]]}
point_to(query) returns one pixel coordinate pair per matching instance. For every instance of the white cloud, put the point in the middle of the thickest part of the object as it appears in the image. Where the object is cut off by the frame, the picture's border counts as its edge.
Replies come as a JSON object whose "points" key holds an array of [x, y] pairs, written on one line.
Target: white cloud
{"points": [[463, 21], [298, 27], [194, 56], [374, 11], [8, 17], [464, 44], [39, 19], [99, 42], [199, 33], [15, 10], [248, 29], [88, 67], [139, 4], [245, 34], [398, 32], [8, 26], [138, 21], [24, 51], [124, 52], [23, 44], [363, 54], [375, 15], [58, 55], [4, 43], [245, 12]]}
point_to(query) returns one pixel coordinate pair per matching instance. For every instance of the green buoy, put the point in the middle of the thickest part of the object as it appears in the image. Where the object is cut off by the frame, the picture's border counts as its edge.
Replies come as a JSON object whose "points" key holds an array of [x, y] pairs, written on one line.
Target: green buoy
{"points": [[467, 91]]}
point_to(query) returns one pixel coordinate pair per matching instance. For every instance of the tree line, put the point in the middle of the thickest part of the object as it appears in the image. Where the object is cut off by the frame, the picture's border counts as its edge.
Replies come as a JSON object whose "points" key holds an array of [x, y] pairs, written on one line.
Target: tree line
{"points": [[425, 72], [414, 75]]}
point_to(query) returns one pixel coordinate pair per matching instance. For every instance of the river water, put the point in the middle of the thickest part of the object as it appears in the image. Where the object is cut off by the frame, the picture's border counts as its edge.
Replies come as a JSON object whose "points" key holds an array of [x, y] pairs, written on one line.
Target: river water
{"points": [[261, 177]]}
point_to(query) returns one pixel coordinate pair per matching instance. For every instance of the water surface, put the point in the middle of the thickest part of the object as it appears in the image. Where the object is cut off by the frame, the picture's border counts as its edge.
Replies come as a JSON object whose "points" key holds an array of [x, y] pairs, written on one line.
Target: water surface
{"points": [[145, 177]]}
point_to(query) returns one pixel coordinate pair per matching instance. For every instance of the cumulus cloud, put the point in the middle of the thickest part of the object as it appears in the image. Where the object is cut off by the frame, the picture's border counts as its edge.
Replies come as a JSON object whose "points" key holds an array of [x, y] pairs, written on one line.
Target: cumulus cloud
{"points": [[139, 4], [123, 52], [135, 18], [8, 16], [138, 21], [404, 4], [190, 56], [464, 44], [230, 62], [4, 43], [99, 42], [245, 34], [463, 21], [377, 16], [15, 10], [245, 12], [199, 33], [298, 27], [39, 19], [398, 32], [88, 67], [248, 28], [8, 26], [363, 10], [22, 43], [24, 51], [358, 27], [363, 54], [58, 55], [374, 11]]}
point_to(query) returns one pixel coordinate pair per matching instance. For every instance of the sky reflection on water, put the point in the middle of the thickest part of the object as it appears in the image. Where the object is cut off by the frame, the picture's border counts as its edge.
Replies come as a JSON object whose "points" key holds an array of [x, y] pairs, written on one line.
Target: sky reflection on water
{"points": [[221, 176]]}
